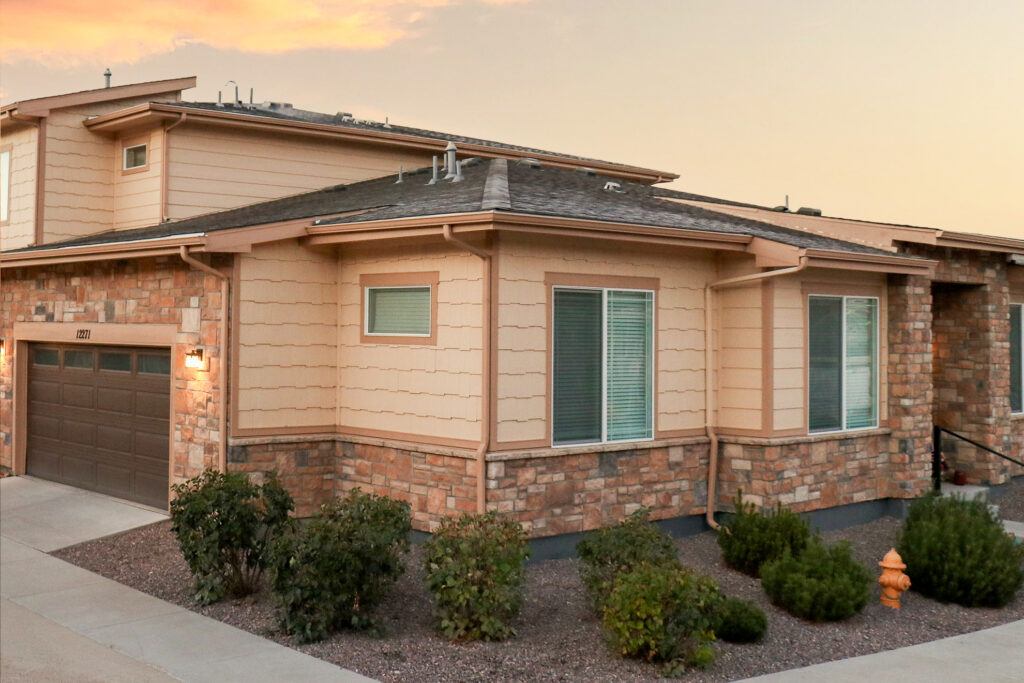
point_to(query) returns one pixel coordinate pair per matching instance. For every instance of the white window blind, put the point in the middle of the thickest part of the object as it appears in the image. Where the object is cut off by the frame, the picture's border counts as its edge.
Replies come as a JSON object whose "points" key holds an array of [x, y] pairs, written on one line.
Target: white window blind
{"points": [[843, 363], [398, 311], [134, 157], [5, 186]]}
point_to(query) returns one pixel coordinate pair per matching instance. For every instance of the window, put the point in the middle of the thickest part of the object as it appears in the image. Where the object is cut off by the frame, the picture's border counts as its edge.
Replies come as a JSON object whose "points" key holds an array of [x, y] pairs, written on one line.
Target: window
{"points": [[155, 364], [602, 365], [1017, 358], [5, 185], [399, 308], [842, 363], [135, 157]]}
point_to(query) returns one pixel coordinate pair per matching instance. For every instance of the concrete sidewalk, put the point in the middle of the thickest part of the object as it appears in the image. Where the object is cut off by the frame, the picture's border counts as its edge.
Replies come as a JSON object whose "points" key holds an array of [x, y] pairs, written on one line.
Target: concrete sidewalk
{"points": [[61, 622], [993, 655]]}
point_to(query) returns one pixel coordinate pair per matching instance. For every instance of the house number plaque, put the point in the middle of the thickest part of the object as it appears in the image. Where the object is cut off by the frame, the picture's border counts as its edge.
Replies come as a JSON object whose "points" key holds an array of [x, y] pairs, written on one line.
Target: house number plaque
{"points": [[83, 333]]}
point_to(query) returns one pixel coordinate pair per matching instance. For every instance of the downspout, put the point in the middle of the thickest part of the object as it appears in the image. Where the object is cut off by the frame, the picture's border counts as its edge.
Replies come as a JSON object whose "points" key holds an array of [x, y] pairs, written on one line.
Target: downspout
{"points": [[165, 164], [485, 365], [709, 401], [222, 460]]}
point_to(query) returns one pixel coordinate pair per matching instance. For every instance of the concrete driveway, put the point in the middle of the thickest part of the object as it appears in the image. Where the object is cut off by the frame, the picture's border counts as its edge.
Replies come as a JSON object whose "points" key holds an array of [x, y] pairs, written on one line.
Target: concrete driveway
{"points": [[59, 622]]}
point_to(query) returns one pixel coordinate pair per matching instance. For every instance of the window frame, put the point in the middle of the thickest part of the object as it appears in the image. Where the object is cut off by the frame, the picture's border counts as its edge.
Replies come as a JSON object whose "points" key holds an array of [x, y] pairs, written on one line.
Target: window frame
{"points": [[135, 143], [553, 286], [8, 149], [371, 281], [843, 429], [1018, 307]]}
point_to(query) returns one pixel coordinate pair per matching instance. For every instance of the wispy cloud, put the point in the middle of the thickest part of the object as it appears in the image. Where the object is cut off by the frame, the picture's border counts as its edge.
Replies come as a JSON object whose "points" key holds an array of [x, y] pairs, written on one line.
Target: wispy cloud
{"points": [[70, 32]]}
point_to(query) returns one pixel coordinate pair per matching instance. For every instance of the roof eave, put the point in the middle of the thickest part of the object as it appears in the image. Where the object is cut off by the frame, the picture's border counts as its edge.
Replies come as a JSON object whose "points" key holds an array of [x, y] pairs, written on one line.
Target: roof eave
{"points": [[964, 240], [41, 106], [100, 252]]}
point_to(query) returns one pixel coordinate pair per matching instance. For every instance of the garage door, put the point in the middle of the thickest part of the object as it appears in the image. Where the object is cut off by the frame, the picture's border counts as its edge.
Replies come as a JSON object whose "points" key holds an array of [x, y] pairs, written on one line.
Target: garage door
{"points": [[98, 418]]}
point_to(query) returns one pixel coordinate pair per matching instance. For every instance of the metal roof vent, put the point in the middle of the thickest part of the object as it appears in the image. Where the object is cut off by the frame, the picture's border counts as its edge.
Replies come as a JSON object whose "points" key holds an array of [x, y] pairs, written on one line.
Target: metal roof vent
{"points": [[449, 160], [530, 161], [612, 186], [106, 76], [808, 211], [587, 170]]}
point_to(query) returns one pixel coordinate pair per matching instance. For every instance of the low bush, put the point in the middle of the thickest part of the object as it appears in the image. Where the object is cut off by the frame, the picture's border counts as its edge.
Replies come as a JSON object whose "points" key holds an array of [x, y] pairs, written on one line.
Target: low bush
{"points": [[664, 614], [752, 537], [224, 524], [824, 583], [335, 571], [957, 551], [606, 553], [474, 574], [741, 621]]}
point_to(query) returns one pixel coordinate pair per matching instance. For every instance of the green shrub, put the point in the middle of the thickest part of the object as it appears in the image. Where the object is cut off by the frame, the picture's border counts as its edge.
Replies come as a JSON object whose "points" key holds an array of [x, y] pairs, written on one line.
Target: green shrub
{"points": [[335, 571], [957, 551], [741, 621], [474, 574], [606, 553], [224, 524], [751, 537], [664, 614], [822, 584]]}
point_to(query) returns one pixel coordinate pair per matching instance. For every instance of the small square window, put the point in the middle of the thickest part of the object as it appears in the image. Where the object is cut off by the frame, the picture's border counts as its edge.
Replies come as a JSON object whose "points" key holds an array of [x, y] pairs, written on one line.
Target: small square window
{"points": [[399, 308], [135, 157]]}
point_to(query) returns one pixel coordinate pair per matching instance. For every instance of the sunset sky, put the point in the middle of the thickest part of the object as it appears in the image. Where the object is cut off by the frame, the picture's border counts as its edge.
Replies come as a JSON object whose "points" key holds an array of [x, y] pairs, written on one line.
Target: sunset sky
{"points": [[901, 111]]}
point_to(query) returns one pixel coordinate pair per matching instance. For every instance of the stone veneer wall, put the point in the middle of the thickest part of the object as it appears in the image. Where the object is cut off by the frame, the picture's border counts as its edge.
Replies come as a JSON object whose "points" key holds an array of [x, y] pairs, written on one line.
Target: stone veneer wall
{"points": [[154, 290]]}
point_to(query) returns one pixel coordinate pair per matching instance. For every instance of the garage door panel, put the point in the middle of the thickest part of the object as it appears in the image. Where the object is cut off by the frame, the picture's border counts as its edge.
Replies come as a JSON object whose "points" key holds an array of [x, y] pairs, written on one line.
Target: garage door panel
{"points": [[99, 426], [150, 404], [114, 400], [79, 395]]}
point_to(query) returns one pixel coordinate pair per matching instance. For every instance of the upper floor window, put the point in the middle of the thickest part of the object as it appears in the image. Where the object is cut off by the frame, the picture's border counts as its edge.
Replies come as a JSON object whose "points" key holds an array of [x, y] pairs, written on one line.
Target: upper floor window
{"points": [[842, 363], [1017, 358], [135, 157], [5, 185], [602, 365]]}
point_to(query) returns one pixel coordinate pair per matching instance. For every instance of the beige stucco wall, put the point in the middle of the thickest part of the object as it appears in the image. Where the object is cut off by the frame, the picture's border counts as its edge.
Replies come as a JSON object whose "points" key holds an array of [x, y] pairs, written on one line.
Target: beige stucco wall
{"points": [[523, 327], [137, 195], [287, 340], [20, 230], [405, 389], [213, 168]]}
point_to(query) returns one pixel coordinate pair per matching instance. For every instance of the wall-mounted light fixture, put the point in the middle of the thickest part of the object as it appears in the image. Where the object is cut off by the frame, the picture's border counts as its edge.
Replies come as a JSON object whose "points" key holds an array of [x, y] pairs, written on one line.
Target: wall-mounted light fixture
{"points": [[194, 359]]}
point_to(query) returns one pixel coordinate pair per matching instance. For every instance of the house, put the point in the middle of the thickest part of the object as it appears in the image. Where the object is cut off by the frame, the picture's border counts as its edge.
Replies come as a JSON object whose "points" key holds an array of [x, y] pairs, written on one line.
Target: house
{"points": [[552, 337]]}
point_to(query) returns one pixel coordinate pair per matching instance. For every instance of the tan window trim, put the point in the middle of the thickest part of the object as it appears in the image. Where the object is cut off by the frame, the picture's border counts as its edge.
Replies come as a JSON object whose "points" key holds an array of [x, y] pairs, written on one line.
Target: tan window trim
{"points": [[136, 142], [9, 149], [424, 279]]}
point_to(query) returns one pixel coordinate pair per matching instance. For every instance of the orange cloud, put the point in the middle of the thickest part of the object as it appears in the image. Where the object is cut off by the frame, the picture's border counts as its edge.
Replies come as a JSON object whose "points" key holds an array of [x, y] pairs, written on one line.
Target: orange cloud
{"points": [[67, 32]]}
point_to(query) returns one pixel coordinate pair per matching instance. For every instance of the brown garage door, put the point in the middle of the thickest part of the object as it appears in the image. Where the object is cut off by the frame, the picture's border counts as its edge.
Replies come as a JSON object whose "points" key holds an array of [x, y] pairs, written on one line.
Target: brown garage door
{"points": [[98, 418]]}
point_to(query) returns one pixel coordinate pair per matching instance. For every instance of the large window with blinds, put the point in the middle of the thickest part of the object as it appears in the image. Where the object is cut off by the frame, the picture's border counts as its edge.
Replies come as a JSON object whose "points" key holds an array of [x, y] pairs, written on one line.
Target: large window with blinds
{"points": [[842, 363], [1017, 358], [602, 365]]}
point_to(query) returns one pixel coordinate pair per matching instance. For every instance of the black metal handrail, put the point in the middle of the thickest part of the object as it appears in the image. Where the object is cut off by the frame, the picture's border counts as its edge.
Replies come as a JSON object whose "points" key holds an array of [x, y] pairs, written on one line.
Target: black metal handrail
{"points": [[937, 432]]}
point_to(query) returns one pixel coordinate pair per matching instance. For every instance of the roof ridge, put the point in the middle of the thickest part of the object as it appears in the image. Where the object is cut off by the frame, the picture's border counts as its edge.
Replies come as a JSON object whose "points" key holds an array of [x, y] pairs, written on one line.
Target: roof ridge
{"points": [[496, 194]]}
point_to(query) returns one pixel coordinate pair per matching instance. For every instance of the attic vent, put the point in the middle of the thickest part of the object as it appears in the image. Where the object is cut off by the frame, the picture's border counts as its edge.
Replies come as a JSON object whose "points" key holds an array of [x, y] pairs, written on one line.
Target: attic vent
{"points": [[587, 170], [612, 186], [530, 161], [808, 211]]}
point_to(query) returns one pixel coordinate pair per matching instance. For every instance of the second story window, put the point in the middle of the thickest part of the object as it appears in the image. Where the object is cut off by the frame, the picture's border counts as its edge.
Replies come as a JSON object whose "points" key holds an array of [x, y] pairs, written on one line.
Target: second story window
{"points": [[5, 185], [135, 157]]}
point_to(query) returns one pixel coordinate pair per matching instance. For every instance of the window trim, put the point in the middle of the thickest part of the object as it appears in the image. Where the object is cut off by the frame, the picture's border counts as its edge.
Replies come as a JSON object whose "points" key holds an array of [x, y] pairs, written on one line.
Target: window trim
{"points": [[132, 143], [1019, 306], [8, 149], [604, 284], [878, 363], [368, 281]]}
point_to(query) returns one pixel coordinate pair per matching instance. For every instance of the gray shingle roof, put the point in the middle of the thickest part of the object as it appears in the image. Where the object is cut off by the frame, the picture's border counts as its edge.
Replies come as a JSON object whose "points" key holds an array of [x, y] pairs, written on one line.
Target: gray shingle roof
{"points": [[494, 184]]}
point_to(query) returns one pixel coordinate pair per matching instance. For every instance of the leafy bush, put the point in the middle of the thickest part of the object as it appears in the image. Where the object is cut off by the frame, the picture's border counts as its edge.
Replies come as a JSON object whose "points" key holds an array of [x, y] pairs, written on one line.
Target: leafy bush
{"points": [[822, 584], [664, 614], [752, 537], [606, 553], [741, 621], [957, 551], [335, 571], [224, 524], [474, 573]]}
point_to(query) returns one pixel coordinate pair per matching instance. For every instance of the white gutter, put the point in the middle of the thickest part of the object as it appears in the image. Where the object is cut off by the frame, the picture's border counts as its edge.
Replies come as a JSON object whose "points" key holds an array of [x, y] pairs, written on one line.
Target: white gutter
{"points": [[709, 402]]}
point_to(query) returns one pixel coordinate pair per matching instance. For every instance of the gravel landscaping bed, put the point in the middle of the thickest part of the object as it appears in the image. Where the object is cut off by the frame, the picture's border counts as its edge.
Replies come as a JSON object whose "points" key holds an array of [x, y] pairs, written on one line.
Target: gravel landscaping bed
{"points": [[559, 638]]}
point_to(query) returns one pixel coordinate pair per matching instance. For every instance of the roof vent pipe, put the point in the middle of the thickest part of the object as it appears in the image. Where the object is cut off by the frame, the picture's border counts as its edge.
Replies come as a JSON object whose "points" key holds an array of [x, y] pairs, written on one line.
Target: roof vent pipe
{"points": [[250, 96], [433, 177], [220, 99], [458, 172], [449, 160], [399, 174], [236, 101], [106, 76]]}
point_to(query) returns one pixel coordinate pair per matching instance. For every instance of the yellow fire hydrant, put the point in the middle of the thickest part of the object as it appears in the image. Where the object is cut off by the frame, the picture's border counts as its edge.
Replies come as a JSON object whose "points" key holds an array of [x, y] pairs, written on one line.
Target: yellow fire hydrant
{"points": [[893, 580]]}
